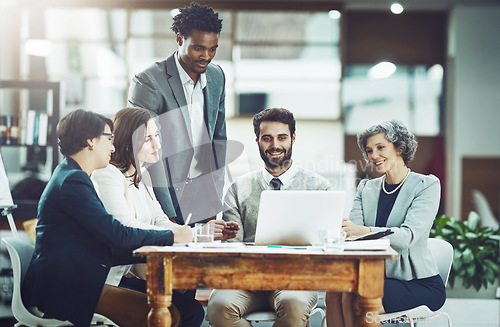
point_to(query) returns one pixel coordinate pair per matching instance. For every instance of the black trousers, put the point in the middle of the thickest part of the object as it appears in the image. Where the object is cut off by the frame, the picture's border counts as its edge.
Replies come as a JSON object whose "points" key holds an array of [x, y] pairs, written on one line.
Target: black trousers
{"points": [[402, 295]]}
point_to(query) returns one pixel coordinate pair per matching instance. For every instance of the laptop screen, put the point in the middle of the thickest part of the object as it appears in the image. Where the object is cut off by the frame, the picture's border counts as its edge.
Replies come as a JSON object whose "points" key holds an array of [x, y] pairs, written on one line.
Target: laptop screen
{"points": [[294, 217]]}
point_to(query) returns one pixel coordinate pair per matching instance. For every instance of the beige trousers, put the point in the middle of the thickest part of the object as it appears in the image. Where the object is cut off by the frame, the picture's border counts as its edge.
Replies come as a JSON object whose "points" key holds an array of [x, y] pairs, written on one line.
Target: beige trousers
{"points": [[227, 307]]}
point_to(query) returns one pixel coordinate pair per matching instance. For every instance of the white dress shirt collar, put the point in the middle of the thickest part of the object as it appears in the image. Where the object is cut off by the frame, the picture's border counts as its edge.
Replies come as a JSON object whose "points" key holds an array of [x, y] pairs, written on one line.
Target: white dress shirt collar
{"points": [[185, 77], [285, 178]]}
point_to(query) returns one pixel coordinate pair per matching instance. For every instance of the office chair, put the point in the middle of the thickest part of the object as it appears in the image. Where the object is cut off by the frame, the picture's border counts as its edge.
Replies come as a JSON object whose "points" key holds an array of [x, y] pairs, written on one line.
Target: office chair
{"points": [[20, 253], [271, 316], [442, 252]]}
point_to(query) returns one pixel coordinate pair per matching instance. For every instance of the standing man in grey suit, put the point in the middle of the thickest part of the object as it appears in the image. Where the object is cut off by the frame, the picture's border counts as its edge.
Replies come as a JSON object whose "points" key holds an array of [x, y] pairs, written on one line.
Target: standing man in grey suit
{"points": [[187, 92]]}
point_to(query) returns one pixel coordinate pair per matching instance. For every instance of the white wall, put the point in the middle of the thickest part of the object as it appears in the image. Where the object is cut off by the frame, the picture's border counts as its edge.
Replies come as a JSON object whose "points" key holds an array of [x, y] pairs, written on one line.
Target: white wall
{"points": [[9, 42], [9, 53], [473, 102]]}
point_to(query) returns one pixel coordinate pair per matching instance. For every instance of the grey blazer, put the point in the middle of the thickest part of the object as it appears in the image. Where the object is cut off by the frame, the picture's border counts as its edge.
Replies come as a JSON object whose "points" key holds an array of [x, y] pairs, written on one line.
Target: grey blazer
{"points": [[159, 89], [411, 219]]}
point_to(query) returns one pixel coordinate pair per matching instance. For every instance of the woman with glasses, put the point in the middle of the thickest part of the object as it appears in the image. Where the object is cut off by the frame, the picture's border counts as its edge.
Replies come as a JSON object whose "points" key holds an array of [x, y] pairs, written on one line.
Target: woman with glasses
{"points": [[78, 241]]}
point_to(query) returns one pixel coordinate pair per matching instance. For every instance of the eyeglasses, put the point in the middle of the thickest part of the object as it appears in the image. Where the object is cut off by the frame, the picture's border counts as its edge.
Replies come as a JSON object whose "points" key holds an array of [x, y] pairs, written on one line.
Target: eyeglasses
{"points": [[111, 136]]}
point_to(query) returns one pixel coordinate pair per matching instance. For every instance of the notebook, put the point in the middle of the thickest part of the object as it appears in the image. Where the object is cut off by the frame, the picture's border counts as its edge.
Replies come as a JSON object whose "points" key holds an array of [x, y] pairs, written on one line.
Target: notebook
{"points": [[294, 217]]}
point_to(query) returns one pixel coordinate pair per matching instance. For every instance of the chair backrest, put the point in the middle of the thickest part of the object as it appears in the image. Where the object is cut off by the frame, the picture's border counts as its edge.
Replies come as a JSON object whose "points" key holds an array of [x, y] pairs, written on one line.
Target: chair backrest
{"points": [[20, 253], [260, 316], [442, 251]]}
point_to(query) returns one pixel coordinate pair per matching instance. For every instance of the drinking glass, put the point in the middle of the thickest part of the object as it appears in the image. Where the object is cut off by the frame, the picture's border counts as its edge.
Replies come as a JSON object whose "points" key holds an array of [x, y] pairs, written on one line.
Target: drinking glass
{"points": [[332, 239], [204, 233]]}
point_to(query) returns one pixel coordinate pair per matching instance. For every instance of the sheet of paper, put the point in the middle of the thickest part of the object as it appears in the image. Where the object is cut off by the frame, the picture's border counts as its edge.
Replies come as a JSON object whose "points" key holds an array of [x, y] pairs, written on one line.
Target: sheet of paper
{"points": [[380, 244]]}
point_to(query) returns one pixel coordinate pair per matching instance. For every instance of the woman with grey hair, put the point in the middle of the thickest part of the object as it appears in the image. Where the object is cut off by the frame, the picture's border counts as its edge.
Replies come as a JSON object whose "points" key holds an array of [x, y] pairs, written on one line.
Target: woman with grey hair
{"points": [[404, 202]]}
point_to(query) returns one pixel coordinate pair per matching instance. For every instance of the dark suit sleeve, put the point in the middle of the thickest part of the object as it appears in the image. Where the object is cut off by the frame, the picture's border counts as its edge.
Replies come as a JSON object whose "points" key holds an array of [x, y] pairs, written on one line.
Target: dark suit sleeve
{"points": [[143, 93], [126, 258], [79, 201], [220, 126], [220, 139]]}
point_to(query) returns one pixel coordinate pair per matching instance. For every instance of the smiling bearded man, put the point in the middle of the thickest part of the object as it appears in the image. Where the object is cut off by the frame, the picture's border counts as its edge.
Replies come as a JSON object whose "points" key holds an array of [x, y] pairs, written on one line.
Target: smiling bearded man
{"points": [[275, 135]]}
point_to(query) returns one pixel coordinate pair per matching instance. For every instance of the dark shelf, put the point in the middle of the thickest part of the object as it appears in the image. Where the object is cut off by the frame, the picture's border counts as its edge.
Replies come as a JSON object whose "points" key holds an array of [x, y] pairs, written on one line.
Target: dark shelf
{"points": [[55, 87]]}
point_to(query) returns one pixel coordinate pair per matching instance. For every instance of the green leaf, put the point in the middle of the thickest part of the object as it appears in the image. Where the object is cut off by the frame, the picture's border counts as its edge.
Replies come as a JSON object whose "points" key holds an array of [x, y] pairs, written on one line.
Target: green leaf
{"points": [[489, 274], [476, 249], [458, 229], [471, 236], [447, 233], [471, 271], [467, 256], [490, 265], [457, 262], [451, 279], [473, 220], [477, 284]]}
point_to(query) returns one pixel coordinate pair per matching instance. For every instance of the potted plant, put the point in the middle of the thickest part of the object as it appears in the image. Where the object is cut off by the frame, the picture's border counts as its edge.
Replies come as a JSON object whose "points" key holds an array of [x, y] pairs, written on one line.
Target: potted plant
{"points": [[476, 258]]}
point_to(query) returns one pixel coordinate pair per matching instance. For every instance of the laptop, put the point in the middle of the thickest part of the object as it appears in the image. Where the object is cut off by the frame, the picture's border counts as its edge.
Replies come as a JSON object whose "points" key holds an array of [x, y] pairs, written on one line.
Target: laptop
{"points": [[294, 217]]}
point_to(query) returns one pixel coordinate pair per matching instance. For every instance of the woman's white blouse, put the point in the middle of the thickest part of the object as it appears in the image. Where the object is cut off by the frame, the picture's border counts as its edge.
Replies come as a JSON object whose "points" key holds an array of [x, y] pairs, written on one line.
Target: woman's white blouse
{"points": [[131, 206]]}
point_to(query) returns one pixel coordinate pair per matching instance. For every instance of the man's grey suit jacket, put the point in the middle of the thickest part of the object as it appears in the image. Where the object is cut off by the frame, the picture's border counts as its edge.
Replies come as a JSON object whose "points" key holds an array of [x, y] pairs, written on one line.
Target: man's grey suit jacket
{"points": [[159, 89]]}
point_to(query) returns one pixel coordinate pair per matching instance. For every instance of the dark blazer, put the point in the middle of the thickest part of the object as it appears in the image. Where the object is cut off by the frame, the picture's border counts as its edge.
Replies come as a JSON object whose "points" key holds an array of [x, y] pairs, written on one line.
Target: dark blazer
{"points": [[159, 89], [77, 242]]}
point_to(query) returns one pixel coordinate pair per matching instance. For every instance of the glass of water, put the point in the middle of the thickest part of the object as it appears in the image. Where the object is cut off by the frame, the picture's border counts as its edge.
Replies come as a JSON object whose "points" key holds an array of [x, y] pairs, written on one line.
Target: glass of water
{"points": [[332, 239], [204, 233]]}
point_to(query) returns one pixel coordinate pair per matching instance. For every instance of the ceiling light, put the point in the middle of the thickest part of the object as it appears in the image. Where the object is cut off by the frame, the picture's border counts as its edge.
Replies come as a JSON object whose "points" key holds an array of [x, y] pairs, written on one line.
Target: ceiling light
{"points": [[396, 8], [383, 69], [334, 14]]}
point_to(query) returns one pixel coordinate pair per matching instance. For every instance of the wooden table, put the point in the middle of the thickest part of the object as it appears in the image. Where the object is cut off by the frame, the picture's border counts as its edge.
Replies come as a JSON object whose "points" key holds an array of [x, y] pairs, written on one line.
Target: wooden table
{"points": [[263, 268]]}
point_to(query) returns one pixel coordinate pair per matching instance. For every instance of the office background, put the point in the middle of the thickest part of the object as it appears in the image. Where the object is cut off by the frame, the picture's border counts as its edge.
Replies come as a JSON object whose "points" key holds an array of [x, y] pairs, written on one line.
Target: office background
{"points": [[313, 57], [319, 58]]}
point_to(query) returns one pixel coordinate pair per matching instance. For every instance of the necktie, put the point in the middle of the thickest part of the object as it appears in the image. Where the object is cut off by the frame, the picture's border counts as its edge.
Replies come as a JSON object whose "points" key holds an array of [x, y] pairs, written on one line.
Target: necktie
{"points": [[275, 184]]}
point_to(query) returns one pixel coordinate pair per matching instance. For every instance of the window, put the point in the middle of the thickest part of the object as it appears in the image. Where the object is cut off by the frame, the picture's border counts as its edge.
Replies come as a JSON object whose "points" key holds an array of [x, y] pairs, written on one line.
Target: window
{"points": [[271, 59], [287, 59], [88, 53], [411, 94]]}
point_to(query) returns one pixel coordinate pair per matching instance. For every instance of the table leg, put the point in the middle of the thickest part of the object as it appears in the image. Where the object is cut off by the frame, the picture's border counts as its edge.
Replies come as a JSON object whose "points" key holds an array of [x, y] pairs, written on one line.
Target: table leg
{"points": [[369, 310], [370, 290], [159, 274]]}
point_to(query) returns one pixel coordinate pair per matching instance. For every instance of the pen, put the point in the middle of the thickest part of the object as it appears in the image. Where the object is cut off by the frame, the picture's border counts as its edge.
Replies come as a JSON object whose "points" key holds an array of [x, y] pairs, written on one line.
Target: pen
{"points": [[288, 247], [188, 219]]}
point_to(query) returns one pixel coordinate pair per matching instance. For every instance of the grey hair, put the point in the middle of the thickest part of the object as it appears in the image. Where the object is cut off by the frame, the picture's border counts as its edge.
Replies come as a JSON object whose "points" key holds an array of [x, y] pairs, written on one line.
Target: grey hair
{"points": [[396, 133]]}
